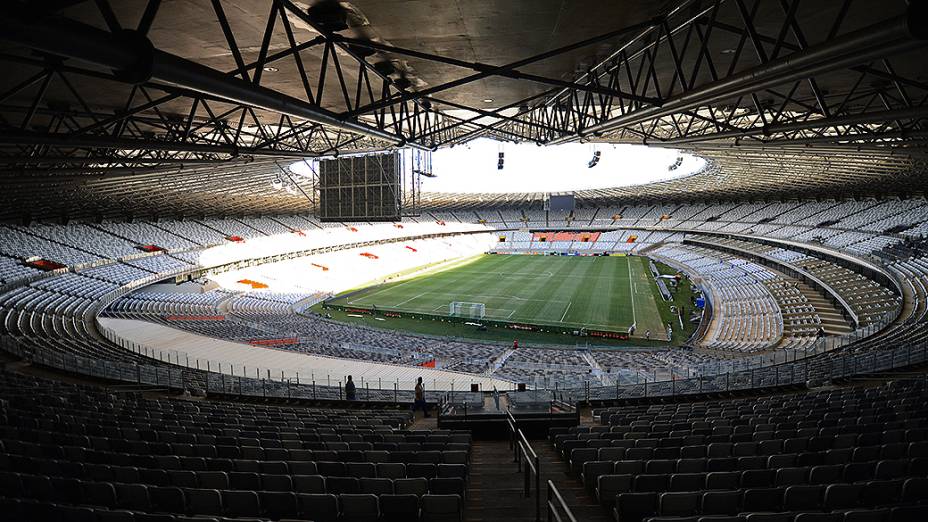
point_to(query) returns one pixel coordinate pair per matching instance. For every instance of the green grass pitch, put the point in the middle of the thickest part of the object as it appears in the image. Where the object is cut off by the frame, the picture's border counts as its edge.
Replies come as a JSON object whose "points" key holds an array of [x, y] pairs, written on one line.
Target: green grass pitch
{"points": [[600, 293]]}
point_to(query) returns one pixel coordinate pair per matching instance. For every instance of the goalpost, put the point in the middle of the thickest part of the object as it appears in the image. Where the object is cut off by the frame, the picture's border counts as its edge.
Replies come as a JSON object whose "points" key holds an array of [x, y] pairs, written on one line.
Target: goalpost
{"points": [[467, 309]]}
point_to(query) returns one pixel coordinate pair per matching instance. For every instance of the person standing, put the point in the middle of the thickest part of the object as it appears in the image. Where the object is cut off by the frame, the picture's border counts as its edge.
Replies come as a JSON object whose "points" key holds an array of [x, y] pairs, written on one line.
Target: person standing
{"points": [[350, 390], [420, 399]]}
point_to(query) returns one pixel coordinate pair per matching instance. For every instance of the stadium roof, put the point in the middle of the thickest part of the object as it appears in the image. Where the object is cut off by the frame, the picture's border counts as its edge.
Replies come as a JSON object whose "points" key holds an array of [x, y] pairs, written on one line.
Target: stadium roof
{"points": [[140, 107]]}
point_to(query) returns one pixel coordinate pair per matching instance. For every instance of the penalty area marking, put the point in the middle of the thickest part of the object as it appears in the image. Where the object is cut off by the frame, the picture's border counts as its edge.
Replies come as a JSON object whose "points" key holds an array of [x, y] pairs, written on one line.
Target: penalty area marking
{"points": [[413, 298], [565, 310]]}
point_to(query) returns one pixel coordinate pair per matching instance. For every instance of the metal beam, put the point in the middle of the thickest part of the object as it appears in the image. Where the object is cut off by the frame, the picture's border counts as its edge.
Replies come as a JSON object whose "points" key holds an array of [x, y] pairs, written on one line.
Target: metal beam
{"points": [[132, 57], [877, 41], [818, 123], [105, 160], [101, 142], [904, 143], [494, 70], [405, 96]]}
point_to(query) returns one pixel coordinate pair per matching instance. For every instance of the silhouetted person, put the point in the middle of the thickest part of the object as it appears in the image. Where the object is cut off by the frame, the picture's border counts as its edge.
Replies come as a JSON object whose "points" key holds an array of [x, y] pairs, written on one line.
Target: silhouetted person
{"points": [[350, 390], [420, 399]]}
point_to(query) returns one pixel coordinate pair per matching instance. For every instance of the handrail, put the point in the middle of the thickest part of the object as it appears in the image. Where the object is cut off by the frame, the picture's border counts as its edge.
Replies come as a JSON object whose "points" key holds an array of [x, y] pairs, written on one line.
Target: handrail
{"points": [[556, 504], [522, 450]]}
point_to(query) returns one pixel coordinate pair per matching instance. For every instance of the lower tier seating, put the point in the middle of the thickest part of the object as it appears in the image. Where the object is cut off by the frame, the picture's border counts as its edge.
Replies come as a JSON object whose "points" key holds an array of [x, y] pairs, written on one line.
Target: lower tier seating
{"points": [[76, 453], [844, 455]]}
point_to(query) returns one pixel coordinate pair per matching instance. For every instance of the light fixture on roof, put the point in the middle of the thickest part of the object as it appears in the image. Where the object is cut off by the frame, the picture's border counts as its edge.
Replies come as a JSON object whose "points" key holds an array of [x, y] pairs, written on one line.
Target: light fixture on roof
{"points": [[277, 183], [269, 68], [488, 100]]}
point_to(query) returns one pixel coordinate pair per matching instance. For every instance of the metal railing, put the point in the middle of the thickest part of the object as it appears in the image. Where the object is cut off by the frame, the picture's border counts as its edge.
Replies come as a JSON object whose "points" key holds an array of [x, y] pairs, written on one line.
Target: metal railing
{"points": [[522, 452], [144, 374], [797, 372], [267, 384], [557, 508], [322, 376]]}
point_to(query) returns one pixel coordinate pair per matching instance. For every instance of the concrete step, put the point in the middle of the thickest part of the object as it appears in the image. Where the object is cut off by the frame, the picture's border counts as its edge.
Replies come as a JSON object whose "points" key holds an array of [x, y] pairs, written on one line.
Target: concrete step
{"points": [[495, 486]]}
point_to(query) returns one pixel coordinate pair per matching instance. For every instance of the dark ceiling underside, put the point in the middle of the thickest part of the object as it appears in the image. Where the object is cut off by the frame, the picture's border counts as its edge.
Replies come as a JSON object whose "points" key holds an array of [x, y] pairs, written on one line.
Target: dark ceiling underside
{"points": [[188, 107]]}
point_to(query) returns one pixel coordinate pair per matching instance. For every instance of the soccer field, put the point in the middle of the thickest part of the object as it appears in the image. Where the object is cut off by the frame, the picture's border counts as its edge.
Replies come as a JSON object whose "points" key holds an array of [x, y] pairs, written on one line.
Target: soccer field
{"points": [[600, 293]]}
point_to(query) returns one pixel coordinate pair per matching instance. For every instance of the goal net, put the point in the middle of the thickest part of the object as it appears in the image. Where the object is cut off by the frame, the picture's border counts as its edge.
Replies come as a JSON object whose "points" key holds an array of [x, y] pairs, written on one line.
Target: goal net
{"points": [[465, 309]]}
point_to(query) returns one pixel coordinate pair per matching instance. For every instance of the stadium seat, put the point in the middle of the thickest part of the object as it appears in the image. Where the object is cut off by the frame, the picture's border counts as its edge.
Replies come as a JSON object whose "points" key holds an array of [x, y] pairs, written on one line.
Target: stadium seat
{"points": [[319, 507], [441, 508], [358, 507], [399, 508]]}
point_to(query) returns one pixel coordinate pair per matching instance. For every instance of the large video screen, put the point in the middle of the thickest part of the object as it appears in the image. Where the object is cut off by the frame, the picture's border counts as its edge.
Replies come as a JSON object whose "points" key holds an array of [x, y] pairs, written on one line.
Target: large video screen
{"points": [[361, 188]]}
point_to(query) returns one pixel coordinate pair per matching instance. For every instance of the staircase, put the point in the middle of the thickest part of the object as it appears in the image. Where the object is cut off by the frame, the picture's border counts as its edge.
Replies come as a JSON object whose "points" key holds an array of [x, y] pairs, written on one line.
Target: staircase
{"points": [[494, 492], [498, 363], [597, 369], [833, 321]]}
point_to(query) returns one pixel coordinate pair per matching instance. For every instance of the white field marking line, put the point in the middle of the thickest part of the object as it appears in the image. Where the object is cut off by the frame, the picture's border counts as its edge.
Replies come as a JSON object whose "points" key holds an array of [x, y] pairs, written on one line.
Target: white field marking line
{"points": [[441, 267], [413, 298], [501, 273], [631, 292], [381, 290], [565, 311], [533, 274], [364, 297], [453, 264], [491, 297], [492, 315]]}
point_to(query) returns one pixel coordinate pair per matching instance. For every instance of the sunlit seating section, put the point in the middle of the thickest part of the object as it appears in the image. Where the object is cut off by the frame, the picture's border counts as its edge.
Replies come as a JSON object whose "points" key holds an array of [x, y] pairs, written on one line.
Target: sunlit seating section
{"points": [[159, 264], [747, 315]]}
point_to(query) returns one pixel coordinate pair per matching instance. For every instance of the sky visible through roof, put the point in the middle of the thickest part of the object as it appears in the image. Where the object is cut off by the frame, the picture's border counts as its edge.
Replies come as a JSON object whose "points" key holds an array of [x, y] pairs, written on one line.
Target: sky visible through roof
{"points": [[472, 168]]}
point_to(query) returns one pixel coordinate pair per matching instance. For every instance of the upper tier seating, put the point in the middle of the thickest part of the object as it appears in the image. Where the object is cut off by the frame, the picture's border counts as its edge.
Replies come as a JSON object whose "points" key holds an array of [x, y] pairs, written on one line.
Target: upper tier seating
{"points": [[232, 227], [118, 273], [141, 233], [13, 269], [23, 246], [84, 237], [297, 222], [267, 225], [160, 264], [194, 231]]}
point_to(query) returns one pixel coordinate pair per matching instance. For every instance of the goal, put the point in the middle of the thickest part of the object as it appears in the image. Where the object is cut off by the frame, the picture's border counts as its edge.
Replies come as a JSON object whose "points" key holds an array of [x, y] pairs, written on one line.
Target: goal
{"points": [[466, 309]]}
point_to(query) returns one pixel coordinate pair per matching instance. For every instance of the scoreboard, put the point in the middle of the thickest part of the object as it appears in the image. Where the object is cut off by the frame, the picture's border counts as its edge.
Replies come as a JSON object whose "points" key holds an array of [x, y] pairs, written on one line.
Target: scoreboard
{"points": [[361, 188]]}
